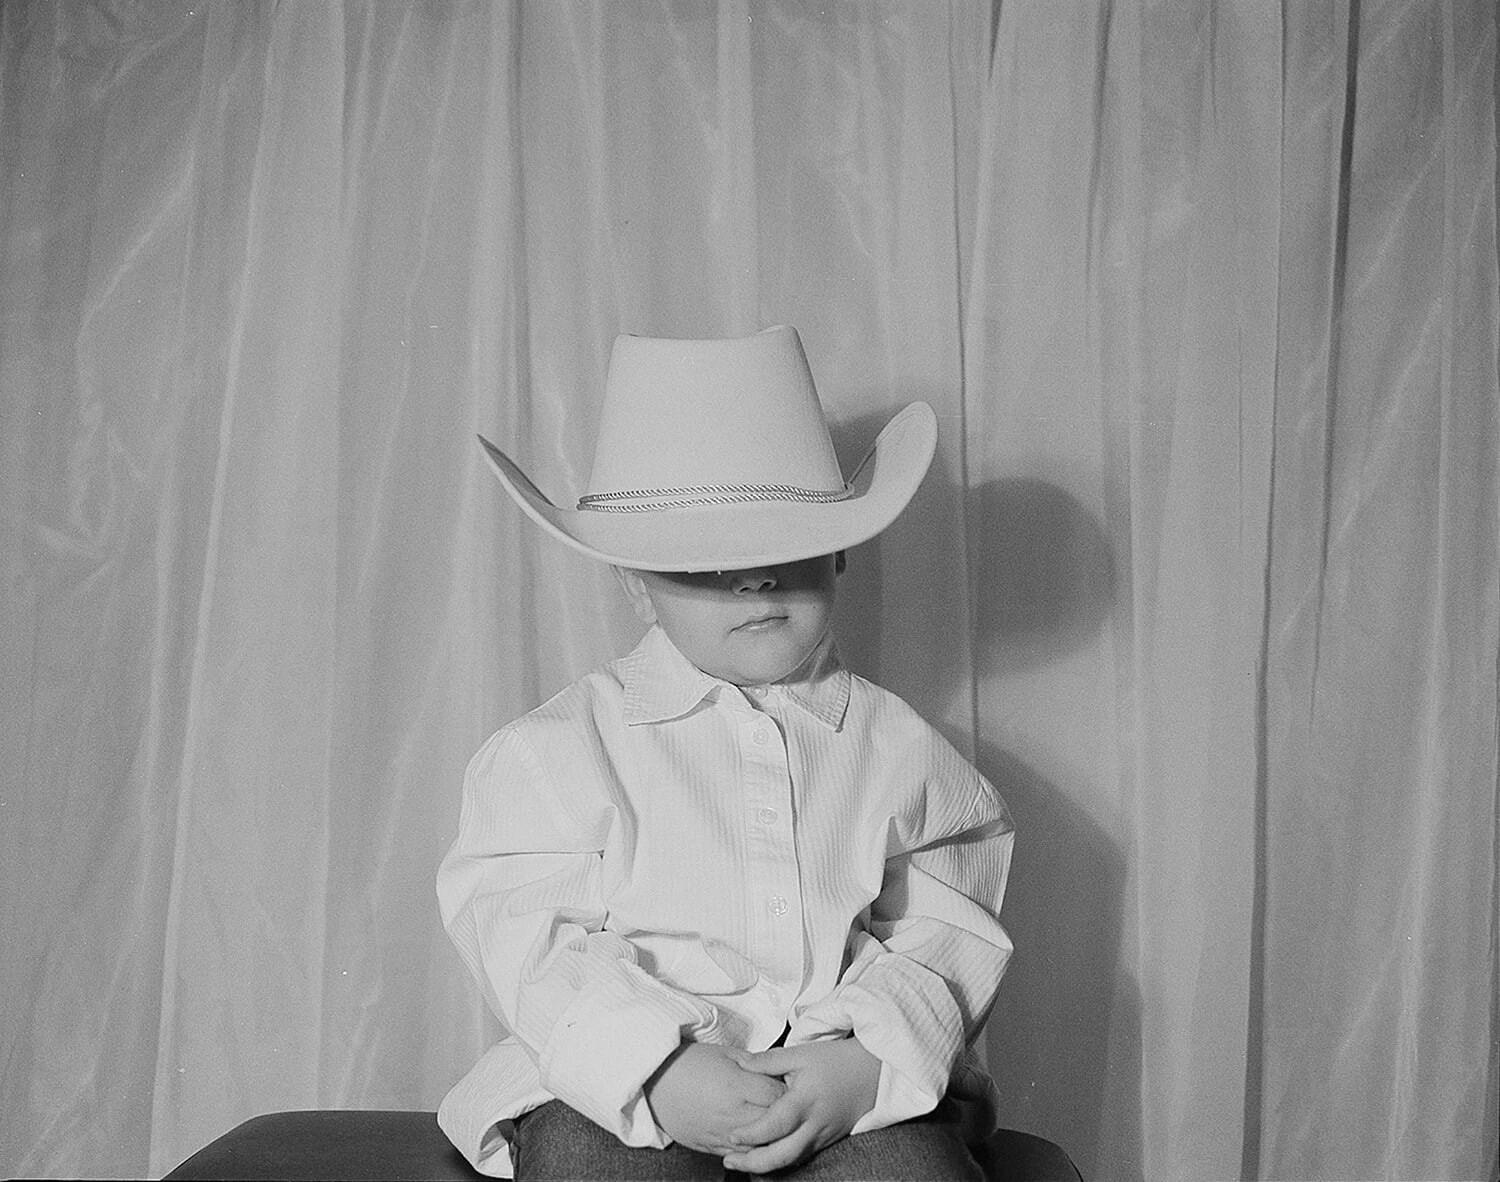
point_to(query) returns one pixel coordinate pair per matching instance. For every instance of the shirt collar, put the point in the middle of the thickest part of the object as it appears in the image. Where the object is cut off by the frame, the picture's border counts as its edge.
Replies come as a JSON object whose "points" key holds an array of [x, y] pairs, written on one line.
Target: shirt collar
{"points": [[661, 684]]}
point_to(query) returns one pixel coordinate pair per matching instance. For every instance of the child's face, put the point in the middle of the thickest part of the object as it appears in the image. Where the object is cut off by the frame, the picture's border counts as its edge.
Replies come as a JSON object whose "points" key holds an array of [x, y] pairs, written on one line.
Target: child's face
{"points": [[749, 627]]}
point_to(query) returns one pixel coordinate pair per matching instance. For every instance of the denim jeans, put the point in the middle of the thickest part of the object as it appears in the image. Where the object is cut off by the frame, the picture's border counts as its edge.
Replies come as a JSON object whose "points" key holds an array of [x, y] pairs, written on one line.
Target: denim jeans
{"points": [[554, 1143]]}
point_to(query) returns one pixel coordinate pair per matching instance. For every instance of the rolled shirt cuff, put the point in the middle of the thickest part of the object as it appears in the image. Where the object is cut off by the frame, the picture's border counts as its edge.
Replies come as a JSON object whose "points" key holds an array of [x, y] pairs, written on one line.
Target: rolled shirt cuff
{"points": [[611, 1040], [904, 1015], [477, 1112]]}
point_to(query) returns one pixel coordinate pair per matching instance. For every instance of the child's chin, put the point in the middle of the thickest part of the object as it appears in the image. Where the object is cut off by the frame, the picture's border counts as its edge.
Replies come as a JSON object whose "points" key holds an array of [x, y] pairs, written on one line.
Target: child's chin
{"points": [[764, 672], [767, 659]]}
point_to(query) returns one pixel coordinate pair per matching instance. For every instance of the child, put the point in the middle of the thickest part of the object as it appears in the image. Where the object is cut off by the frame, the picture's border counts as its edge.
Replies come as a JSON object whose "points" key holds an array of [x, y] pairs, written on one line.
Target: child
{"points": [[731, 902]]}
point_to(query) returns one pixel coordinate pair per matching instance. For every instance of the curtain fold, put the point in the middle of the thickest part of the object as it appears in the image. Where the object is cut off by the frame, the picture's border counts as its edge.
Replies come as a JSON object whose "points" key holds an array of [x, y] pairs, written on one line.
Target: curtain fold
{"points": [[1383, 579], [1204, 575]]}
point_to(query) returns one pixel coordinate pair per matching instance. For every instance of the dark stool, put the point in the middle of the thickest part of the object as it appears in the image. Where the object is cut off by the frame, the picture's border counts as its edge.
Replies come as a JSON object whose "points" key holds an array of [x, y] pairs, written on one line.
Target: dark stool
{"points": [[360, 1144]]}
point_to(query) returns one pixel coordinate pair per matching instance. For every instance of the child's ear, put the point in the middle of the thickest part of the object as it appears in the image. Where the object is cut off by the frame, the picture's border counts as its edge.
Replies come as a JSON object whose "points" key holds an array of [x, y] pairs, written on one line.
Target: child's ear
{"points": [[635, 591]]}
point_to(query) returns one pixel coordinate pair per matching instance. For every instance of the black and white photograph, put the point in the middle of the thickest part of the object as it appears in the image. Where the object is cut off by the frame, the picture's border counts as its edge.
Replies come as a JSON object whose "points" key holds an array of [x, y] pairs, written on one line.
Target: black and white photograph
{"points": [[816, 590]]}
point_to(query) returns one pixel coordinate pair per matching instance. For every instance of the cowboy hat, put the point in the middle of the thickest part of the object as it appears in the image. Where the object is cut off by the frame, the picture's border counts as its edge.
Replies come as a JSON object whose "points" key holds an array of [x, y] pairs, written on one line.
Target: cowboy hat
{"points": [[714, 455]]}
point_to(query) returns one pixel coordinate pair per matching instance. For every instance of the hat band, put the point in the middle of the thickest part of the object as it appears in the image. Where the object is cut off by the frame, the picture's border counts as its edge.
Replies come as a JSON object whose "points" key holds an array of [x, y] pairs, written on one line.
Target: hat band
{"points": [[650, 500]]}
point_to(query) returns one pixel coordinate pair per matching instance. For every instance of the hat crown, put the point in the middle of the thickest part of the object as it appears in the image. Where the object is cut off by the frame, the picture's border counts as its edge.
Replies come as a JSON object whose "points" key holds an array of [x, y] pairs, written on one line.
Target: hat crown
{"points": [[680, 414]]}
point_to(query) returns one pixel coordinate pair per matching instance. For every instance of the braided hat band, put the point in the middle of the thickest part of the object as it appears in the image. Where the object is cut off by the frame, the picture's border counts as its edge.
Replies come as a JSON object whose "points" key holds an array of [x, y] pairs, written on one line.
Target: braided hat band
{"points": [[651, 500]]}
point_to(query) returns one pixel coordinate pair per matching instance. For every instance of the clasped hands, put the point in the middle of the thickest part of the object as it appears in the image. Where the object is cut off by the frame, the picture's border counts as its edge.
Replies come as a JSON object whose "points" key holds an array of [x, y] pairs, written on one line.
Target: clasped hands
{"points": [[766, 1111]]}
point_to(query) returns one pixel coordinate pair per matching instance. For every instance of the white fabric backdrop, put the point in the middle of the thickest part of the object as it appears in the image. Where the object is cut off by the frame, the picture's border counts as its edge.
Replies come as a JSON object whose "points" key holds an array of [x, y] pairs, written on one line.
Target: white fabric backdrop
{"points": [[1205, 573]]}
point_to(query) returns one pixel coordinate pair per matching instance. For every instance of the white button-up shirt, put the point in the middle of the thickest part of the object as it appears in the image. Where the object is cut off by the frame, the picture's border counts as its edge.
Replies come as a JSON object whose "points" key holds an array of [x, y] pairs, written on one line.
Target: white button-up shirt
{"points": [[657, 855]]}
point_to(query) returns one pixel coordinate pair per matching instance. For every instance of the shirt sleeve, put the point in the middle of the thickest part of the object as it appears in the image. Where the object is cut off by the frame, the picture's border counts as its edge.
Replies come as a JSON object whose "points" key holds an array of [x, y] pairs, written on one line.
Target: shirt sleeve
{"points": [[924, 974], [520, 896]]}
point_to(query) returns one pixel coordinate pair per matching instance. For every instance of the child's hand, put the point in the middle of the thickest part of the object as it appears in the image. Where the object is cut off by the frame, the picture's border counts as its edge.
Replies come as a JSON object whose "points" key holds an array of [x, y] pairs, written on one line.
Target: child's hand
{"points": [[701, 1093], [829, 1086]]}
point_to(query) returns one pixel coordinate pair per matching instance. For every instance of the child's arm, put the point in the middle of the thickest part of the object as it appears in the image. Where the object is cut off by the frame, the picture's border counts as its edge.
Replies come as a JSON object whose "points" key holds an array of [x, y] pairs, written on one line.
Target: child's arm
{"points": [[924, 974], [522, 899]]}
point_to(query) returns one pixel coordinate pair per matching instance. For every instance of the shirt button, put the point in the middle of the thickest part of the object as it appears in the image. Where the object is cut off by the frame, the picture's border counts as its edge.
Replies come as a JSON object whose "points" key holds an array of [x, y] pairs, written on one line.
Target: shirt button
{"points": [[778, 905], [760, 738], [767, 816]]}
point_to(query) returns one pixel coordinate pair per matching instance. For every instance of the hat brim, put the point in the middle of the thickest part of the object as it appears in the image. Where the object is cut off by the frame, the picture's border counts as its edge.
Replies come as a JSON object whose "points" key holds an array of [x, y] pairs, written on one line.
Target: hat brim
{"points": [[758, 533]]}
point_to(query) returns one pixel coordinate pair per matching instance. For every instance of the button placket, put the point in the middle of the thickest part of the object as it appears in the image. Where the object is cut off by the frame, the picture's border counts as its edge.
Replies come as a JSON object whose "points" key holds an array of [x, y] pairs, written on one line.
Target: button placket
{"points": [[774, 899]]}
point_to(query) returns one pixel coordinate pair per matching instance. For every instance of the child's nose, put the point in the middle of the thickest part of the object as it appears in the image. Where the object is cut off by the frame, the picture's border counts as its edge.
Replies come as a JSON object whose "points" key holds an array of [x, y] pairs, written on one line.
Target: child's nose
{"points": [[755, 579]]}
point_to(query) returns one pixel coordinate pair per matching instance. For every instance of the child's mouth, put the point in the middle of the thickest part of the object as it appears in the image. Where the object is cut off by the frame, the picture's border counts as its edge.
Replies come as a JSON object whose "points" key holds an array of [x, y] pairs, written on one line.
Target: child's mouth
{"points": [[760, 624]]}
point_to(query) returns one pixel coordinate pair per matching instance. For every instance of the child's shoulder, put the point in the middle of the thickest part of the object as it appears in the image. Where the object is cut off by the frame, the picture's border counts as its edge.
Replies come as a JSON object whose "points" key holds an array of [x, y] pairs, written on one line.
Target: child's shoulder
{"points": [[886, 714], [874, 698], [565, 735], [937, 789], [595, 700]]}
